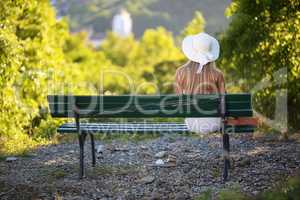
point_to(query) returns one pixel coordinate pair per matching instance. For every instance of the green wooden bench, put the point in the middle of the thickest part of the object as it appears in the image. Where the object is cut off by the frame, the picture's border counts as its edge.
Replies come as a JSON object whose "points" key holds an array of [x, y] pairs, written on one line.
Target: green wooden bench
{"points": [[234, 109]]}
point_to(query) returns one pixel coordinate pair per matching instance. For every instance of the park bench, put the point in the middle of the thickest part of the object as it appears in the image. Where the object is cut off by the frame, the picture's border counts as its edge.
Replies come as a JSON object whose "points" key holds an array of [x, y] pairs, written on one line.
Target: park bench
{"points": [[234, 109]]}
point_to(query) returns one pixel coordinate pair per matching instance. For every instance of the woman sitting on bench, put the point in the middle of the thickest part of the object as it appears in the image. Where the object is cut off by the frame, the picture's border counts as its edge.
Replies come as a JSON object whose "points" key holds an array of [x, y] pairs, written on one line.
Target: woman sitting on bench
{"points": [[200, 76]]}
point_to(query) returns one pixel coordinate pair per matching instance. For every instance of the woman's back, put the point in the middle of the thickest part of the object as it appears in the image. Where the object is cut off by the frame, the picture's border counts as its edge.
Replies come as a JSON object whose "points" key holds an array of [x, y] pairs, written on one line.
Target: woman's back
{"points": [[209, 81]]}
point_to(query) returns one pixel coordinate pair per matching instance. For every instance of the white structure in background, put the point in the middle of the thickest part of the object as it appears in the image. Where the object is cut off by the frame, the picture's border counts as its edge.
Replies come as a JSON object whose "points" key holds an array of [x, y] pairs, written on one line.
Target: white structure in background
{"points": [[122, 23]]}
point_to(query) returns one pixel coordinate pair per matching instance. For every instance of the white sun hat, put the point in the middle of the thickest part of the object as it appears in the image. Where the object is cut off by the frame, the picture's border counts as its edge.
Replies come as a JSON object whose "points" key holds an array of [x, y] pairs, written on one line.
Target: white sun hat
{"points": [[201, 48]]}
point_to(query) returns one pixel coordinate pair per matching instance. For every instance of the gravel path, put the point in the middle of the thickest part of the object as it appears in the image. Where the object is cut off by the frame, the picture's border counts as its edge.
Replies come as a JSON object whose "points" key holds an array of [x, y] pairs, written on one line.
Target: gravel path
{"points": [[125, 169]]}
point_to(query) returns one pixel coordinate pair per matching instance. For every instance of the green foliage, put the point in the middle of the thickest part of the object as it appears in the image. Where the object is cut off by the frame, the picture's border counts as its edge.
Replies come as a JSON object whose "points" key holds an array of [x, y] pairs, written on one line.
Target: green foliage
{"points": [[148, 62], [196, 26], [157, 45], [84, 73], [58, 174], [232, 195], [262, 39], [38, 56], [207, 195], [228, 194], [29, 45], [121, 51]]}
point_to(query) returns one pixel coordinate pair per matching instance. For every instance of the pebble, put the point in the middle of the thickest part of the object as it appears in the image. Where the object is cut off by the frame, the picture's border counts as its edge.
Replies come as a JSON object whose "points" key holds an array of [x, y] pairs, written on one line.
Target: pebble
{"points": [[147, 179], [155, 196], [11, 159], [120, 149], [160, 154], [143, 147], [159, 162], [100, 148], [181, 196]]}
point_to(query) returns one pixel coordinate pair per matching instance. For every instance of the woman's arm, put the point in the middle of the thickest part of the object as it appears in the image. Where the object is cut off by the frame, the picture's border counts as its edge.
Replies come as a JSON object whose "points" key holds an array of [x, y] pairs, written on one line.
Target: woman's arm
{"points": [[178, 83], [221, 84]]}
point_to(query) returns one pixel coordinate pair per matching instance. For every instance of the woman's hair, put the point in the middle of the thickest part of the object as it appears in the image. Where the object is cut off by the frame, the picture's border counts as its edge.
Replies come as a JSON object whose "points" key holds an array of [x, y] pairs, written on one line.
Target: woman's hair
{"points": [[210, 65], [189, 81]]}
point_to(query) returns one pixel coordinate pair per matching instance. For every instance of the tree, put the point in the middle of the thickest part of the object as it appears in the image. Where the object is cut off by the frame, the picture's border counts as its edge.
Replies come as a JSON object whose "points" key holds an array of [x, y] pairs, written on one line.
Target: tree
{"points": [[195, 26], [121, 51], [262, 42], [157, 45], [38, 57], [30, 45]]}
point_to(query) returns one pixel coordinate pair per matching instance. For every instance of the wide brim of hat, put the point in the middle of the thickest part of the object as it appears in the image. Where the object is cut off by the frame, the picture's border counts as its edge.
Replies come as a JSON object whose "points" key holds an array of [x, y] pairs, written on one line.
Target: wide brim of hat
{"points": [[200, 57]]}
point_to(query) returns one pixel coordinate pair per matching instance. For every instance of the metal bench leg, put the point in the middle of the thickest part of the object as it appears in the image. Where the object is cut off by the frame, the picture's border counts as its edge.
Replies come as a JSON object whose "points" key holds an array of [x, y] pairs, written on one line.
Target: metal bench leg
{"points": [[81, 138], [81, 156], [226, 145], [93, 150]]}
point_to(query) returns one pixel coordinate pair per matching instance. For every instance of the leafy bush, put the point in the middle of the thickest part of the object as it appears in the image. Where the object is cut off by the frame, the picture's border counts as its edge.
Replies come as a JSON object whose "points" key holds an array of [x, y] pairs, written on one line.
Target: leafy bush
{"points": [[262, 42], [37, 59], [195, 26]]}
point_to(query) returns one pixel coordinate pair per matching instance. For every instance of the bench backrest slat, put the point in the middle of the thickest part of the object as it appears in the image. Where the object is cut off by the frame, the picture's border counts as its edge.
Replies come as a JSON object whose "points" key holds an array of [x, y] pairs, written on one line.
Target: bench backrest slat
{"points": [[237, 105]]}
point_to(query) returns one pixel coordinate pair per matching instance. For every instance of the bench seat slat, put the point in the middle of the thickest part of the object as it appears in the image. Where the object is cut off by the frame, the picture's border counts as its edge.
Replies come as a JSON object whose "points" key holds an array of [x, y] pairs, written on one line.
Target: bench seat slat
{"points": [[151, 114], [144, 98], [65, 107], [134, 127]]}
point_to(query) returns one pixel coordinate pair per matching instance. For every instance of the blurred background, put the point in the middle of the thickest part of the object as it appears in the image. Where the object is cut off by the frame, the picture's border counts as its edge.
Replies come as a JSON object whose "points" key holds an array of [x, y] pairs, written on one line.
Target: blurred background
{"points": [[105, 46], [97, 16]]}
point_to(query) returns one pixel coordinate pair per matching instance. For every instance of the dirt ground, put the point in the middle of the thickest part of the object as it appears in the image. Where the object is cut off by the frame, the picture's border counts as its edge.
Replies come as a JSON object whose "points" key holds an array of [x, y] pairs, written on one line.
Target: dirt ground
{"points": [[127, 170]]}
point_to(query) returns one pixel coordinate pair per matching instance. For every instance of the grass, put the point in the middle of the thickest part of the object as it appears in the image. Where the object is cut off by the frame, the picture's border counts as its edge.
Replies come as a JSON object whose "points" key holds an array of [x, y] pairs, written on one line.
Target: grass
{"points": [[232, 195], [289, 190], [229, 194], [58, 174], [207, 195], [20, 145], [286, 190], [216, 172]]}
